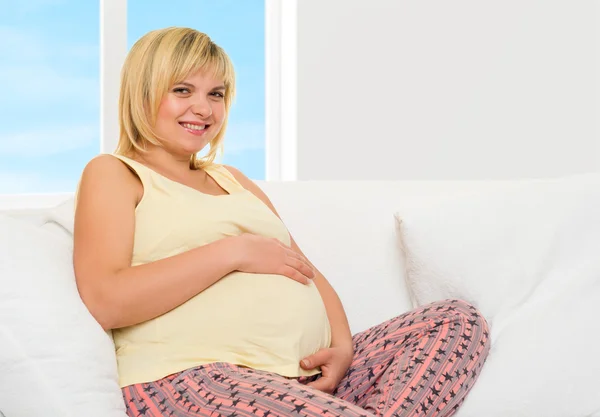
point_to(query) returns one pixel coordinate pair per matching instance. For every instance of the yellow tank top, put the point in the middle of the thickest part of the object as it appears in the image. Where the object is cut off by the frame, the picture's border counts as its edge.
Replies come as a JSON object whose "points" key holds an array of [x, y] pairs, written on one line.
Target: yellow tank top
{"points": [[262, 321]]}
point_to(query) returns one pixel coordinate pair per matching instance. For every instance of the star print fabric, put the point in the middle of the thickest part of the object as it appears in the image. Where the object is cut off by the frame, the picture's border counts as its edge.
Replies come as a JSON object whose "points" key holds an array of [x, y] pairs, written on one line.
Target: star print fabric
{"points": [[420, 364]]}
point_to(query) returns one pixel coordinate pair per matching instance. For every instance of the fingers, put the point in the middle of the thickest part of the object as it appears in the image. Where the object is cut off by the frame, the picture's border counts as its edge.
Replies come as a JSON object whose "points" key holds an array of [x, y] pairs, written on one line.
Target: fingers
{"points": [[320, 358], [299, 262], [295, 255], [296, 265], [294, 274], [301, 267], [323, 384]]}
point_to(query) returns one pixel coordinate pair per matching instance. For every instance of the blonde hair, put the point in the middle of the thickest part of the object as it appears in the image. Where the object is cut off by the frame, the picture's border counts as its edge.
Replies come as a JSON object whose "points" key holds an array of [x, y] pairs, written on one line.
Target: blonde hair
{"points": [[156, 62]]}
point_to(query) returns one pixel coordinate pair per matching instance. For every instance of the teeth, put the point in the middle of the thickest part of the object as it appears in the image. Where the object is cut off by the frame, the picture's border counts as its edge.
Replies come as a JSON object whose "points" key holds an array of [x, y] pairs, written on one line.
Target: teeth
{"points": [[193, 127]]}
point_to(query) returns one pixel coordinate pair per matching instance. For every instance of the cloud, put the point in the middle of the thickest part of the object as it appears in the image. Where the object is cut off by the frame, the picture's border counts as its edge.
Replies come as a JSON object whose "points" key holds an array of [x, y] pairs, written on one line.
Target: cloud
{"points": [[28, 6], [28, 47], [45, 85], [45, 142], [40, 70], [30, 182], [23, 45], [13, 183]]}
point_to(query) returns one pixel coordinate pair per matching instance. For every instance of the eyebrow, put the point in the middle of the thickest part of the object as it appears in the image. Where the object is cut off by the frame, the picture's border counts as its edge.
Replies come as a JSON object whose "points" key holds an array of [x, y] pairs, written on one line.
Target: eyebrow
{"points": [[220, 87]]}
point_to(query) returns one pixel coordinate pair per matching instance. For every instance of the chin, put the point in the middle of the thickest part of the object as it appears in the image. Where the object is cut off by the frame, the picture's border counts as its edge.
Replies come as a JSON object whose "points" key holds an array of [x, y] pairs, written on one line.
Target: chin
{"points": [[193, 148]]}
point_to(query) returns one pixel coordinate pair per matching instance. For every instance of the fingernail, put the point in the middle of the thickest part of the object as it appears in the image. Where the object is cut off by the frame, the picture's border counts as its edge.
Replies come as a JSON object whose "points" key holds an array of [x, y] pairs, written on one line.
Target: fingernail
{"points": [[306, 362]]}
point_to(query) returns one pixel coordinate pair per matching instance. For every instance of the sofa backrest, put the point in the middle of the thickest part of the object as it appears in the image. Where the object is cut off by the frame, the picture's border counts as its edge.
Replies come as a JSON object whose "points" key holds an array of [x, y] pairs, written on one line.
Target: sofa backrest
{"points": [[346, 228]]}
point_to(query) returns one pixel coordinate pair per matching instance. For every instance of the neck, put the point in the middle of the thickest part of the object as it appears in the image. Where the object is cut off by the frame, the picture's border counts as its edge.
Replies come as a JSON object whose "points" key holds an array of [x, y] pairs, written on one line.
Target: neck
{"points": [[162, 161]]}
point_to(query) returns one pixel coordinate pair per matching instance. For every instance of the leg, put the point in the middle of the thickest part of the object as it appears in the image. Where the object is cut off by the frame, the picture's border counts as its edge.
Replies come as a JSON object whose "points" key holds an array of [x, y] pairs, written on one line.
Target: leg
{"points": [[422, 363], [222, 389]]}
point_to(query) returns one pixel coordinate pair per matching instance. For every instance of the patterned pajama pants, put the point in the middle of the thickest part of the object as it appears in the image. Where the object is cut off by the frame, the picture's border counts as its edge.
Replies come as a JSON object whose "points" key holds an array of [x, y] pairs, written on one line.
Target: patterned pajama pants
{"points": [[422, 363]]}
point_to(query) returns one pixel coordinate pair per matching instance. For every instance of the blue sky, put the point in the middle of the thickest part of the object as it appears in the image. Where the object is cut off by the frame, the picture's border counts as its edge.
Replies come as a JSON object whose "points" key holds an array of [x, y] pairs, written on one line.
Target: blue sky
{"points": [[50, 83]]}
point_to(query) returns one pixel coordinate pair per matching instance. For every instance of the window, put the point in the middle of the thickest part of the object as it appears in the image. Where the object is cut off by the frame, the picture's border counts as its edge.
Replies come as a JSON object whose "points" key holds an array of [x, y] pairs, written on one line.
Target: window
{"points": [[49, 100], [239, 28], [57, 111]]}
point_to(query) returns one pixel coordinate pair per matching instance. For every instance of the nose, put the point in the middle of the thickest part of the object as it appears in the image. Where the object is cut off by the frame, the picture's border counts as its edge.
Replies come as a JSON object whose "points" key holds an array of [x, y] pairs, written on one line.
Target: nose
{"points": [[201, 107]]}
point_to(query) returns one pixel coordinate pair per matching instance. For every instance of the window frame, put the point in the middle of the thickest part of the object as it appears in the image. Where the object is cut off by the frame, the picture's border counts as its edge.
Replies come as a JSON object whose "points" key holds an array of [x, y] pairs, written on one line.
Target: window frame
{"points": [[281, 80], [280, 93]]}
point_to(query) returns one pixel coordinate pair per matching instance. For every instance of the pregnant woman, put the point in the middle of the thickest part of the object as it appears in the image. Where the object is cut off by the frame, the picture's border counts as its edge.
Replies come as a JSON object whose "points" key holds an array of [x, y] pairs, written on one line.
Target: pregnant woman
{"points": [[214, 309]]}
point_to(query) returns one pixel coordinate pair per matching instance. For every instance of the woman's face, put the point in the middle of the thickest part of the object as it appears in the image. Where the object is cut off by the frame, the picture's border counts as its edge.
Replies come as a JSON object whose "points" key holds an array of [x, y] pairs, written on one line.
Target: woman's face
{"points": [[191, 114]]}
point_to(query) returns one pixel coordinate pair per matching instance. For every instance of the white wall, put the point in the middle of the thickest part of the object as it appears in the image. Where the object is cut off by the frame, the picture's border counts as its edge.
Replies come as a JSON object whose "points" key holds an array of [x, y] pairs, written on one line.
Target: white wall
{"points": [[438, 89]]}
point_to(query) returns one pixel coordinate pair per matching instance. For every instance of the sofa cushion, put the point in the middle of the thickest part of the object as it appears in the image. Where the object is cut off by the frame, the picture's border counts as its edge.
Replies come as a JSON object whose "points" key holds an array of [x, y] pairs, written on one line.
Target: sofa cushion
{"points": [[55, 359], [528, 258]]}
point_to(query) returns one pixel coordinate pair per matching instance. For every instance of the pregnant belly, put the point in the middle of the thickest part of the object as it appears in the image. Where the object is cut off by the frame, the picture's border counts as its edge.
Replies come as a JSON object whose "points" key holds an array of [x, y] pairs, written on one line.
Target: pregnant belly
{"points": [[260, 320]]}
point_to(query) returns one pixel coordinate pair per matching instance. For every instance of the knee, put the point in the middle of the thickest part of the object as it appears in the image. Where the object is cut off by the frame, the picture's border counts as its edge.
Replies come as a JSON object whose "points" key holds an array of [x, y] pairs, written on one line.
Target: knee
{"points": [[475, 322], [465, 310]]}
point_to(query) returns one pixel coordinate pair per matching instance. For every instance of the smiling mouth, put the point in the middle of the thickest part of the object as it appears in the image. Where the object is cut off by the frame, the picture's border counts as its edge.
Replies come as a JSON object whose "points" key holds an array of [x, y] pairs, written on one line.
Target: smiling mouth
{"points": [[194, 127]]}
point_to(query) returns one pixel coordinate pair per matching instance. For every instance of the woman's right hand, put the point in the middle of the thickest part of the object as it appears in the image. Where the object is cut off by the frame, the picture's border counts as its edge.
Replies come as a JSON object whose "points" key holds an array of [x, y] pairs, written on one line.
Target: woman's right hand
{"points": [[263, 255]]}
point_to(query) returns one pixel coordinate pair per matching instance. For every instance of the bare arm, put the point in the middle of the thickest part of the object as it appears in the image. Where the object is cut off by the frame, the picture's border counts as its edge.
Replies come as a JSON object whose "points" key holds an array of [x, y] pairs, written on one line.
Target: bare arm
{"points": [[116, 293], [340, 329]]}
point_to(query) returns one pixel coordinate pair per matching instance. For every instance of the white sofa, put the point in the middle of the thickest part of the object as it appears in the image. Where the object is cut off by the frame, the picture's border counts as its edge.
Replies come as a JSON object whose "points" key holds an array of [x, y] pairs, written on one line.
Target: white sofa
{"points": [[527, 253]]}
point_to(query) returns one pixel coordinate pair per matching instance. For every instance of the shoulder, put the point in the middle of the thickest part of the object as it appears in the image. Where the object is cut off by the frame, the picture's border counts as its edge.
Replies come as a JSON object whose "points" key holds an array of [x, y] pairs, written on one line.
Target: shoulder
{"points": [[239, 175], [249, 185], [105, 164], [105, 171], [246, 182]]}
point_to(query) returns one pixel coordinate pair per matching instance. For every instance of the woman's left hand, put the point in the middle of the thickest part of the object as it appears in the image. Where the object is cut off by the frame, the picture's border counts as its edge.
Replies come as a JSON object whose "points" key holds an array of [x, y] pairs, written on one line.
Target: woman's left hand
{"points": [[334, 363]]}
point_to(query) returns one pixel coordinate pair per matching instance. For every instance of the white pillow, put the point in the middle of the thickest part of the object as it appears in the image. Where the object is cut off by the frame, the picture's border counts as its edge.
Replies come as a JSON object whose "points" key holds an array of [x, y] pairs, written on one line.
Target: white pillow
{"points": [[55, 359], [529, 258], [60, 219]]}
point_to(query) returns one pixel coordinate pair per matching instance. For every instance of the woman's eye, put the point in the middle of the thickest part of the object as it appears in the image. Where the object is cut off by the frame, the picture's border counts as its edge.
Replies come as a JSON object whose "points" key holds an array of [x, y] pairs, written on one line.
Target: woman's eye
{"points": [[217, 94], [181, 90]]}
